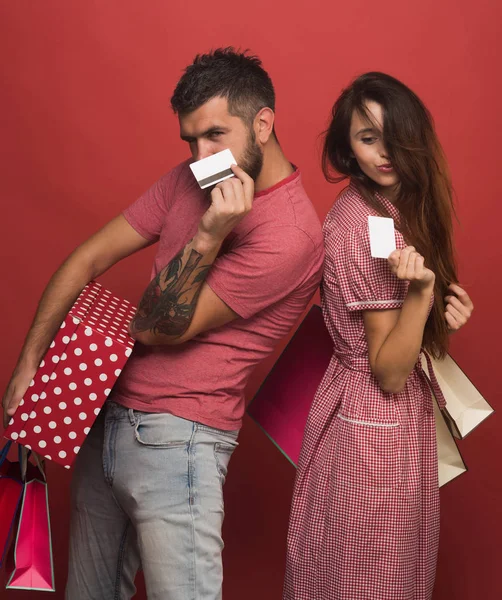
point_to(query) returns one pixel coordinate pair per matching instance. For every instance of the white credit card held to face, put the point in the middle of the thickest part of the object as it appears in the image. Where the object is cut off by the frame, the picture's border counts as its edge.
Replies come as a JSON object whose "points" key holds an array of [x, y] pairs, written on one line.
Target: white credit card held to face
{"points": [[382, 236], [213, 169]]}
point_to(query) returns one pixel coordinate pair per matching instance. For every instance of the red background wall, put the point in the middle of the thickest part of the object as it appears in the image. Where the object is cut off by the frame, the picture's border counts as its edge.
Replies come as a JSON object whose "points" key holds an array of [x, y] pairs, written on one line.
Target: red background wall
{"points": [[86, 127]]}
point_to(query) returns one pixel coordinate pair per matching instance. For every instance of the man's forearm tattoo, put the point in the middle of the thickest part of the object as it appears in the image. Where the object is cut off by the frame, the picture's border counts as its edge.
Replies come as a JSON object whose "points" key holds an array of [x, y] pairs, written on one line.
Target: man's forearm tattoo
{"points": [[169, 301]]}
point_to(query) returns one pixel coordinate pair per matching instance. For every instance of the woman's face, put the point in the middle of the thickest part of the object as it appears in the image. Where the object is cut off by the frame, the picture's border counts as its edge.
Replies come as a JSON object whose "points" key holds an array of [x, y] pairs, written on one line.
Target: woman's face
{"points": [[366, 142]]}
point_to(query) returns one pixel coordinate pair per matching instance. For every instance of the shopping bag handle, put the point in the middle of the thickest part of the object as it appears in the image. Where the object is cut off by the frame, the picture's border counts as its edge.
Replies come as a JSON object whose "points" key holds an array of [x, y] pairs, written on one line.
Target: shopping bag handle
{"points": [[24, 455], [5, 451], [40, 464]]}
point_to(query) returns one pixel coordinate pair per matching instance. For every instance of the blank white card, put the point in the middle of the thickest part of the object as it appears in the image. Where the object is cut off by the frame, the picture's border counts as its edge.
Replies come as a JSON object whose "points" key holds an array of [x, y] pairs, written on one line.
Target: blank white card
{"points": [[382, 236]]}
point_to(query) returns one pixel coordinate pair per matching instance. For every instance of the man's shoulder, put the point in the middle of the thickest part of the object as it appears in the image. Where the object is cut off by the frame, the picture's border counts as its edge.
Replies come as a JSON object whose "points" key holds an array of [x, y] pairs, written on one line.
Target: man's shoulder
{"points": [[291, 209], [177, 185]]}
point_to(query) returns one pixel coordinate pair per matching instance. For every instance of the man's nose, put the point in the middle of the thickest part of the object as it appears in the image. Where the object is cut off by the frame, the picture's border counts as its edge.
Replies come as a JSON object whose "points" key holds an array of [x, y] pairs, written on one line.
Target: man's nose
{"points": [[203, 150]]}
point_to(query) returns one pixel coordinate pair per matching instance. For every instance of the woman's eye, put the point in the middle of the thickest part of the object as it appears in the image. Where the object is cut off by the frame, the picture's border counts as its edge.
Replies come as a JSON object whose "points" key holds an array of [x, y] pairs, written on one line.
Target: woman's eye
{"points": [[368, 140]]}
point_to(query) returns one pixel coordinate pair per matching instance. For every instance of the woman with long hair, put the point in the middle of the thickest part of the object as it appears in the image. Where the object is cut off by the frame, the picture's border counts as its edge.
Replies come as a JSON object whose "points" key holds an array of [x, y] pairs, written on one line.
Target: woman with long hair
{"points": [[365, 516]]}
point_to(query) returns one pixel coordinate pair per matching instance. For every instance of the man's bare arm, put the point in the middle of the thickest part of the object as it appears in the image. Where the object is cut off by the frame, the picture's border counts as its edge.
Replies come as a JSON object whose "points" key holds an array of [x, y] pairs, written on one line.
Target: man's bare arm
{"points": [[169, 301], [114, 241]]}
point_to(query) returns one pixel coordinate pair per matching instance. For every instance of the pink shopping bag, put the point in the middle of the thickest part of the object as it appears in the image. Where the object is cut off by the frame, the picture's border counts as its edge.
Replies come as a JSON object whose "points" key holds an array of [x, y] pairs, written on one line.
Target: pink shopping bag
{"points": [[11, 490], [33, 562], [282, 404]]}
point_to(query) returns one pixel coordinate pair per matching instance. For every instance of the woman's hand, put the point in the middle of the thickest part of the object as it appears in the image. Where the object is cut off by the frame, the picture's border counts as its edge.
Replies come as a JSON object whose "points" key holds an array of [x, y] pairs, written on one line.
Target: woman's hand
{"points": [[459, 307], [408, 264]]}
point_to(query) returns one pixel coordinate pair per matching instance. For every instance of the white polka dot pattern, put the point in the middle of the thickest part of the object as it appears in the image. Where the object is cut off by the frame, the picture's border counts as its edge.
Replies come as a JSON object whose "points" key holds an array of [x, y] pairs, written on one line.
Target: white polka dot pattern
{"points": [[75, 376]]}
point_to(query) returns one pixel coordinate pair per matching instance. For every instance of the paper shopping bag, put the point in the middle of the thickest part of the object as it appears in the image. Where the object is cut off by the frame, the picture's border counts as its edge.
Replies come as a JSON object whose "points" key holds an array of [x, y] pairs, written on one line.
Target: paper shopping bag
{"points": [[33, 562], [450, 462], [75, 377], [465, 406], [11, 490]]}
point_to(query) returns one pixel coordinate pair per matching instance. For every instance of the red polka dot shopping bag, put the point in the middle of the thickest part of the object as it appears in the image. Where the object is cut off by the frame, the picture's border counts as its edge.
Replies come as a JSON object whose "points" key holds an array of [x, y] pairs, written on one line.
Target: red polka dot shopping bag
{"points": [[75, 377]]}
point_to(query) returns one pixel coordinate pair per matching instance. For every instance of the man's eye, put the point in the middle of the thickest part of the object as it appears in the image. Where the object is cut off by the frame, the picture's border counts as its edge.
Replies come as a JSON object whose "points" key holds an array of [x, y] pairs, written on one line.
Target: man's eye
{"points": [[215, 134]]}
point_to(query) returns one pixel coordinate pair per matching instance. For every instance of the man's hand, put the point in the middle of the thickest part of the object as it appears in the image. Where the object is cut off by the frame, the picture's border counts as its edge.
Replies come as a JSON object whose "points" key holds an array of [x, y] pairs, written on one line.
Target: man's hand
{"points": [[169, 303], [231, 200], [19, 383], [459, 308]]}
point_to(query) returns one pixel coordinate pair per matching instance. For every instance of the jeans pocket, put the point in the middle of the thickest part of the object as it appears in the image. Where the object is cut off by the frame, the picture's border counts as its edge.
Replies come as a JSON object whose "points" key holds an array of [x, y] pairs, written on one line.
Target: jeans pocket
{"points": [[162, 430], [222, 453]]}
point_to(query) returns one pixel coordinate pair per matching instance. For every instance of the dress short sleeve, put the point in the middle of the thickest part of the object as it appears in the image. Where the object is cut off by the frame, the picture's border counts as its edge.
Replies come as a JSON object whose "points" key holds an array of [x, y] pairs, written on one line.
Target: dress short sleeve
{"points": [[367, 283]]}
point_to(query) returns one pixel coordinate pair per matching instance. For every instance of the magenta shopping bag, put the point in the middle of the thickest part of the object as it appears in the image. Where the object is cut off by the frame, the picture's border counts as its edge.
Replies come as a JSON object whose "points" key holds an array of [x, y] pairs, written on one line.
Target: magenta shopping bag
{"points": [[282, 404], [33, 562], [11, 490]]}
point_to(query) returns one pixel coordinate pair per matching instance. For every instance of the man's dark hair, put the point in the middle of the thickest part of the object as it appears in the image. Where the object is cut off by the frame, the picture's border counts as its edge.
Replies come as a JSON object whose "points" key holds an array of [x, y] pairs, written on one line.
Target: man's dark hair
{"points": [[230, 74]]}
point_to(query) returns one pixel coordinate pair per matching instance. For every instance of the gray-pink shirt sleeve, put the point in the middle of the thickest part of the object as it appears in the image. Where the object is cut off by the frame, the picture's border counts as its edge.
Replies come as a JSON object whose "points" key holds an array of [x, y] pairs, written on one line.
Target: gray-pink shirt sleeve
{"points": [[147, 215], [264, 269]]}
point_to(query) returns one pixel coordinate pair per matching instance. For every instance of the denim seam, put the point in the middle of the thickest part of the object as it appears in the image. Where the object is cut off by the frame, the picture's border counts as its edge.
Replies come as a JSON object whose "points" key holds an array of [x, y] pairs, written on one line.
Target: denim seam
{"points": [[191, 494], [108, 456], [110, 434], [120, 563], [230, 433], [133, 419]]}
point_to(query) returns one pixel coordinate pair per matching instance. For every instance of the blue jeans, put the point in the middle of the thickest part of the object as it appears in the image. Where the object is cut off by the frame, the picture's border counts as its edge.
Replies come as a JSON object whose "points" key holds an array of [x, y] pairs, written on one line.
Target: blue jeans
{"points": [[147, 491]]}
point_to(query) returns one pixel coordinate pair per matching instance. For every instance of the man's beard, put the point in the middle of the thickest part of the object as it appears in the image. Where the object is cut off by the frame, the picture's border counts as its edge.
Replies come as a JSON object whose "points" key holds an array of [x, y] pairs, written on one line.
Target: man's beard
{"points": [[252, 158]]}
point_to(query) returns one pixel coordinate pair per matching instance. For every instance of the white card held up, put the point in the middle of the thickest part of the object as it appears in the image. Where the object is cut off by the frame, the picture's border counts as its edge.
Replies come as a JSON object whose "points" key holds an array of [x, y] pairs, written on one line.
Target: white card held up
{"points": [[382, 236], [213, 169]]}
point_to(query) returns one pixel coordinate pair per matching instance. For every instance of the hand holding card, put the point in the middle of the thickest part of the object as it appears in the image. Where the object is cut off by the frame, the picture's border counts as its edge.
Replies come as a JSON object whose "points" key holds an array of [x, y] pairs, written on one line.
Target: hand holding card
{"points": [[230, 202], [213, 169], [409, 265]]}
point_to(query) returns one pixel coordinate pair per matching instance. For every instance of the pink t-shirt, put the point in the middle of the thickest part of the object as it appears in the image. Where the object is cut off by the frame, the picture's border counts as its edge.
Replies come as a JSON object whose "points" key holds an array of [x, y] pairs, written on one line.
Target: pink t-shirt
{"points": [[267, 270]]}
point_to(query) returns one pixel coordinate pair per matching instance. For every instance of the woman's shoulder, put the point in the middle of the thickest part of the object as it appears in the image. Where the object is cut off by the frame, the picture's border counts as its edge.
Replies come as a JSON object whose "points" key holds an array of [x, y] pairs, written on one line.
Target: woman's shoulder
{"points": [[347, 217], [350, 209]]}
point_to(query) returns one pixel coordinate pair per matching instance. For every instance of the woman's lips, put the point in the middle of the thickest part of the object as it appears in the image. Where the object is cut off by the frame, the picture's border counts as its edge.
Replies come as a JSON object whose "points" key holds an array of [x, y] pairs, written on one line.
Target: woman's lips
{"points": [[385, 168]]}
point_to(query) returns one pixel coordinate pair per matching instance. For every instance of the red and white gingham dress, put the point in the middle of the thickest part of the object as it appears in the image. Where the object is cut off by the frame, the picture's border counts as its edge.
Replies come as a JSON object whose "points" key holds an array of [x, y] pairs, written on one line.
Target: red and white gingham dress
{"points": [[365, 516]]}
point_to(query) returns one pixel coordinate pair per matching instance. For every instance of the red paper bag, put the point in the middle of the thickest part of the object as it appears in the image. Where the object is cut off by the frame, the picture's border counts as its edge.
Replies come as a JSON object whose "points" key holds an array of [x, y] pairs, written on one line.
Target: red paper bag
{"points": [[75, 376]]}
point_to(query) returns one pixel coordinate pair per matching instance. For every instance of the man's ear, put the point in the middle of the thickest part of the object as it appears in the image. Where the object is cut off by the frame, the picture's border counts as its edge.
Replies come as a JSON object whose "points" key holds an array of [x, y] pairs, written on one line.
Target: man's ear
{"points": [[264, 125]]}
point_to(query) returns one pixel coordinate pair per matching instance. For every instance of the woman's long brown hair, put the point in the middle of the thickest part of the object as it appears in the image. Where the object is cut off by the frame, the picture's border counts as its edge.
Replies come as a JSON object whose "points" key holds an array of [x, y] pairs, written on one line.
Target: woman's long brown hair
{"points": [[424, 199]]}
